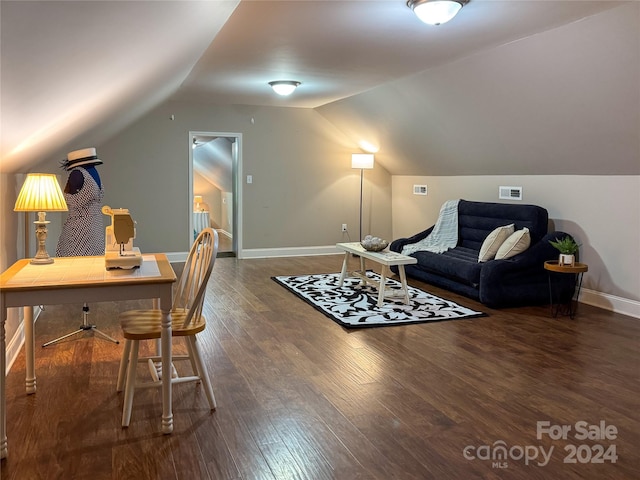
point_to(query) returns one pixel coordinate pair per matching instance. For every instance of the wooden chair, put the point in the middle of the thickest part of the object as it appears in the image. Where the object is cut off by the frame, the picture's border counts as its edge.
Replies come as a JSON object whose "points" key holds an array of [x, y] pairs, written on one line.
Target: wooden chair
{"points": [[186, 321]]}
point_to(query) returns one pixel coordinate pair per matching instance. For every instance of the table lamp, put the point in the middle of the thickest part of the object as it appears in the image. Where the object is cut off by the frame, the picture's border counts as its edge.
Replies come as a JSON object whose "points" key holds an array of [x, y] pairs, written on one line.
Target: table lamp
{"points": [[41, 193], [197, 199]]}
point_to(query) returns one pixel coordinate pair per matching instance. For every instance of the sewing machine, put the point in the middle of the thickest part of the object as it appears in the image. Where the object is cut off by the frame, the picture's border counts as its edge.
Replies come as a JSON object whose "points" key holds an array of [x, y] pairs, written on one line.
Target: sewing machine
{"points": [[119, 250]]}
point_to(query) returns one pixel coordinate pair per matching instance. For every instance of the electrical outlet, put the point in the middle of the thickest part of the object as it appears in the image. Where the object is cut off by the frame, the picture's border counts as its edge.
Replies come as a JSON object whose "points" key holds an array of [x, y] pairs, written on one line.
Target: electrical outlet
{"points": [[344, 227]]}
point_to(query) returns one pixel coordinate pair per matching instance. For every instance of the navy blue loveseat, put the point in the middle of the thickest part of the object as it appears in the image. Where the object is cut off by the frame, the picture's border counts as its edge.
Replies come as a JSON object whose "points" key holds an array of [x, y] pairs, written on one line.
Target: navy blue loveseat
{"points": [[517, 281]]}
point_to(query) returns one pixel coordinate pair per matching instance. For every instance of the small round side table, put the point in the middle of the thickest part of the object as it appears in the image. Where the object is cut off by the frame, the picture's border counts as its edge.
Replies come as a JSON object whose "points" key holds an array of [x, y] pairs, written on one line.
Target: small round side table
{"points": [[577, 269]]}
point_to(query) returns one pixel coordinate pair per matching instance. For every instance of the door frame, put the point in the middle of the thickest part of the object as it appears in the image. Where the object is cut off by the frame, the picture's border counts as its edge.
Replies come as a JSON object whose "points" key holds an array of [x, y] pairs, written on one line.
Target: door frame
{"points": [[236, 176]]}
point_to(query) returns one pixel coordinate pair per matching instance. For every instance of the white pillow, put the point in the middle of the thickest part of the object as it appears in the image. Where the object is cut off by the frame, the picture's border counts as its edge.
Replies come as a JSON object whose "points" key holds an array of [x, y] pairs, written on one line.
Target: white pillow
{"points": [[493, 242], [517, 243]]}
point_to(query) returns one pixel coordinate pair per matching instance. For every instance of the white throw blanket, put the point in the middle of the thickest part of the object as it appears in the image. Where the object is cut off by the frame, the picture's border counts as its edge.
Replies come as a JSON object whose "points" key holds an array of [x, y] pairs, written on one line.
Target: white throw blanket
{"points": [[444, 234]]}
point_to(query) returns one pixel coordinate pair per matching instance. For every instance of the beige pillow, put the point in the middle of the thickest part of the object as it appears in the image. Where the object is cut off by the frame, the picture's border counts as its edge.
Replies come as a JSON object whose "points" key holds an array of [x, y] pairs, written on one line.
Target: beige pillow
{"points": [[493, 242], [517, 243]]}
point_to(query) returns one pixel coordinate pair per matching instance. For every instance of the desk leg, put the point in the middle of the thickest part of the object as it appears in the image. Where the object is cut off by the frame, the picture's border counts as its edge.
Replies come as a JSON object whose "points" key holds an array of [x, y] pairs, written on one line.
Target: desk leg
{"points": [[403, 281], [167, 415], [343, 272], [29, 350], [3, 399]]}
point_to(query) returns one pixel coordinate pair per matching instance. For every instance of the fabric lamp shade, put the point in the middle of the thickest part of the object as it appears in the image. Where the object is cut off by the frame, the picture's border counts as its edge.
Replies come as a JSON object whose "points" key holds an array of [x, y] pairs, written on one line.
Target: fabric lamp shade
{"points": [[362, 160], [40, 192], [197, 199]]}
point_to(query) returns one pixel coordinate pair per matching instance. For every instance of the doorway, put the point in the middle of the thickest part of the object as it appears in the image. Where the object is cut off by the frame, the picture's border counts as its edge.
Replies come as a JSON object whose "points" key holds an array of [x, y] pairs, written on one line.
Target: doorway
{"points": [[215, 190]]}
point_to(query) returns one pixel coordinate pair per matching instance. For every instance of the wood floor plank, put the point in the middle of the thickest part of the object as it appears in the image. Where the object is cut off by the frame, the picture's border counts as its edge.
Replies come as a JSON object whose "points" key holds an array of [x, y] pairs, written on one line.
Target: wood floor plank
{"points": [[300, 397]]}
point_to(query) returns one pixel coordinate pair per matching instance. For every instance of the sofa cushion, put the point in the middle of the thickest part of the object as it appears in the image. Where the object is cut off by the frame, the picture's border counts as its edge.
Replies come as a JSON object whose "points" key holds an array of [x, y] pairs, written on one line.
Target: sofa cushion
{"points": [[517, 243], [476, 220], [493, 242], [460, 264]]}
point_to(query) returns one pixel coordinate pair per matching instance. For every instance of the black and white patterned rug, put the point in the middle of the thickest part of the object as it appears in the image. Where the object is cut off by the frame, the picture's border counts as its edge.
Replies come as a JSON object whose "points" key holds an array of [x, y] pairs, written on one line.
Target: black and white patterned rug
{"points": [[354, 306]]}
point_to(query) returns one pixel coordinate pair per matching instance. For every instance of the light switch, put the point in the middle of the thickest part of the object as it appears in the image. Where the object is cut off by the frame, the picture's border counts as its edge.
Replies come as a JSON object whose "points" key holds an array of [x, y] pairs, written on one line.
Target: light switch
{"points": [[249, 178]]}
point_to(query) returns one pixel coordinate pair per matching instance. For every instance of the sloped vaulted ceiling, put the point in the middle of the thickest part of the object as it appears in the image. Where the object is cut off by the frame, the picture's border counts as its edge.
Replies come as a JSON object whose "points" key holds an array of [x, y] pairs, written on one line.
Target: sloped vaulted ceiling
{"points": [[73, 73], [85, 69], [562, 102]]}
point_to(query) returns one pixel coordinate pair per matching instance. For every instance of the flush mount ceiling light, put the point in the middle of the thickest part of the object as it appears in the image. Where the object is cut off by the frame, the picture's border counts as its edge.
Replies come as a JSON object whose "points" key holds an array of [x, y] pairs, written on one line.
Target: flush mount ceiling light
{"points": [[436, 12], [284, 87]]}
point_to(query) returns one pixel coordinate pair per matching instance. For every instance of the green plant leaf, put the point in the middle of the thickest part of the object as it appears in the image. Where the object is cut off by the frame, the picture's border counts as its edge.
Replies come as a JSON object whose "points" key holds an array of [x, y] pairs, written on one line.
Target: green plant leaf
{"points": [[566, 245]]}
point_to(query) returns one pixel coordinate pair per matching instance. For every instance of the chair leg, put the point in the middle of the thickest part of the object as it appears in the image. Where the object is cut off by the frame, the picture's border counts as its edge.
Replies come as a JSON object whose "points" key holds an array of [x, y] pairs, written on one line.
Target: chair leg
{"points": [[192, 357], [202, 372], [131, 384], [124, 363]]}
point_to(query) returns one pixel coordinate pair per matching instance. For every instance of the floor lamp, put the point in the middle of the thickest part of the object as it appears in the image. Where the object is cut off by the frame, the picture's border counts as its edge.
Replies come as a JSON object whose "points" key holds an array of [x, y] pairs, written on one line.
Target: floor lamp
{"points": [[362, 161]]}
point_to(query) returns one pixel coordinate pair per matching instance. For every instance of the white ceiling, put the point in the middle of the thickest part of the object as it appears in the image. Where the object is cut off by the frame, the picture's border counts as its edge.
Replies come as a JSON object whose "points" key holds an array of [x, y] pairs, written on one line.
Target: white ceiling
{"points": [[340, 48], [81, 71]]}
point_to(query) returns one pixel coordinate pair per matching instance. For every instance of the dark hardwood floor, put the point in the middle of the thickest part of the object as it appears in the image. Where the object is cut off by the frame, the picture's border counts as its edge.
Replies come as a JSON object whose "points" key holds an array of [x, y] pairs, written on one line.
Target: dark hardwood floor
{"points": [[299, 397]]}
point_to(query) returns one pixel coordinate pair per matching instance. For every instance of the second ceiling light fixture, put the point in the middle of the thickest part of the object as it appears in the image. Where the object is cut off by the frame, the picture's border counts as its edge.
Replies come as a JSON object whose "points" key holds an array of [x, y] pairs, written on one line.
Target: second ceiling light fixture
{"points": [[284, 87]]}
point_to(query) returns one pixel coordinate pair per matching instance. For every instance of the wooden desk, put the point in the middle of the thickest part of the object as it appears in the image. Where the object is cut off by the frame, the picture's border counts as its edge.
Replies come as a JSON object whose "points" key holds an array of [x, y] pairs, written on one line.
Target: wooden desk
{"points": [[78, 280], [386, 259]]}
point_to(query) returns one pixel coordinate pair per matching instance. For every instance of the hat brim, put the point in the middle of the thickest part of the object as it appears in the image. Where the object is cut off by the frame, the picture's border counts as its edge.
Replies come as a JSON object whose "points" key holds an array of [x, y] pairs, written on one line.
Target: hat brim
{"points": [[82, 162]]}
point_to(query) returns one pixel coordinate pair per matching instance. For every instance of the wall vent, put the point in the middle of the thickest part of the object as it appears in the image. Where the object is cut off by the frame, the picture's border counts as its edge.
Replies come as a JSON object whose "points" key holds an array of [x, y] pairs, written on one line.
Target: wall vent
{"points": [[419, 189], [510, 193]]}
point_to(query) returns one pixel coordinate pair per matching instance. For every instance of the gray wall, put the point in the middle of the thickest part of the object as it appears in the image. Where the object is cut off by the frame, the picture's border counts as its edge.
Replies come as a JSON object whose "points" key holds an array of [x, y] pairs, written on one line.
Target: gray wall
{"points": [[303, 186]]}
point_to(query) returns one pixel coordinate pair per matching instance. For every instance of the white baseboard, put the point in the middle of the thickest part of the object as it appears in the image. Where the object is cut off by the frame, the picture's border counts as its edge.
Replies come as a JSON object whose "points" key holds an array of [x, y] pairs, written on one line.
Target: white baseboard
{"points": [[177, 257], [224, 232], [17, 341], [291, 252], [612, 303]]}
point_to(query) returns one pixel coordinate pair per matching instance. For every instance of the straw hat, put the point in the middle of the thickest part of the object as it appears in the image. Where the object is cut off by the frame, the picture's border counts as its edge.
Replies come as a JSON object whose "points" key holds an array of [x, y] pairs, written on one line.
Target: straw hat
{"points": [[85, 156]]}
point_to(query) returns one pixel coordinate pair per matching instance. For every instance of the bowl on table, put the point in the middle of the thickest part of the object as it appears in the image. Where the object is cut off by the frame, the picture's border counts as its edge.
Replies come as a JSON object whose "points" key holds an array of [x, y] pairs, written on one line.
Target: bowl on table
{"points": [[374, 244]]}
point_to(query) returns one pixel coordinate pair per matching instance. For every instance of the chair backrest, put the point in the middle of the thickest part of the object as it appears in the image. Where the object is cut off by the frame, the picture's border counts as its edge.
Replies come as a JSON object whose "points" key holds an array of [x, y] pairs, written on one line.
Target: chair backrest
{"points": [[192, 285]]}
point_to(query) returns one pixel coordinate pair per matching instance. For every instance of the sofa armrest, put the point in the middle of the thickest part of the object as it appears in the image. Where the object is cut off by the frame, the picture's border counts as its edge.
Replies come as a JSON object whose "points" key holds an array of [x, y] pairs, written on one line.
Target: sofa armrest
{"points": [[499, 279], [398, 245]]}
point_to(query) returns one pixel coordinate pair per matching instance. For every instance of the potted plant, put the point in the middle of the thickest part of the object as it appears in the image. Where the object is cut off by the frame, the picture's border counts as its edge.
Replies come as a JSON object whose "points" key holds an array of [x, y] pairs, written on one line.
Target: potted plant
{"points": [[568, 248]]}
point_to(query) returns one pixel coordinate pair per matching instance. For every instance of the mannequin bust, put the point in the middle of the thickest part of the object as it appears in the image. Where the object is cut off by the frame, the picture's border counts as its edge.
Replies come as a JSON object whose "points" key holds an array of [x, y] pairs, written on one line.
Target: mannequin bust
{"points": [[83, 231]]}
